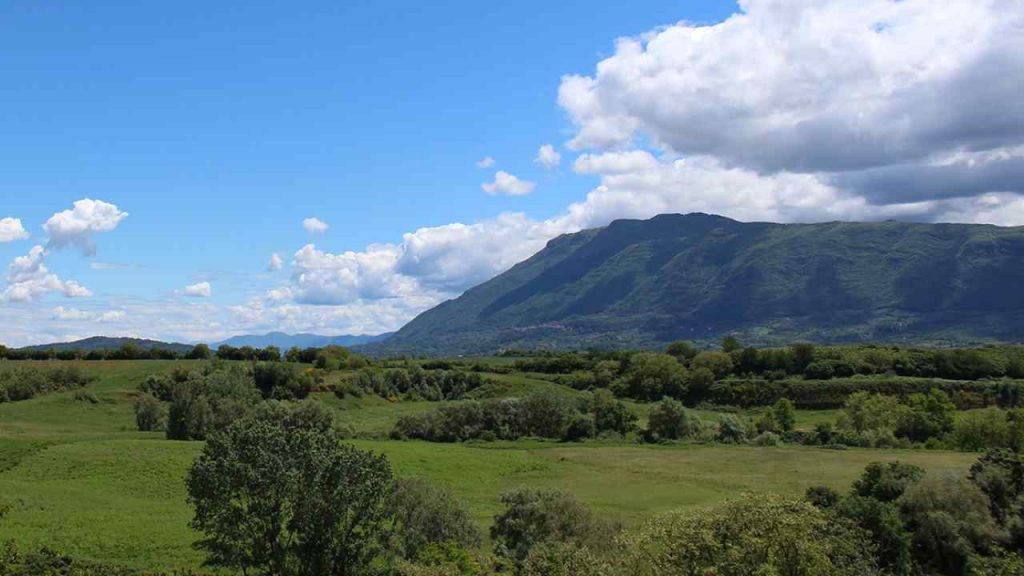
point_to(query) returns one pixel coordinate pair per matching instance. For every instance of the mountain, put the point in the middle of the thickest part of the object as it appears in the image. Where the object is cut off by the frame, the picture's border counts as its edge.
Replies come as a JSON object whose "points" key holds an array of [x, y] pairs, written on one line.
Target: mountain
{"points": [[699, 277], [110, 343], [286, 341]]}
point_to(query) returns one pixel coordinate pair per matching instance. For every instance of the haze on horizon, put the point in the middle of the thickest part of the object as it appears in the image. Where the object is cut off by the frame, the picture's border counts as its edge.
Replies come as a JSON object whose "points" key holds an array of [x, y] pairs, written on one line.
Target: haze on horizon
{"points": [[339, 170]]}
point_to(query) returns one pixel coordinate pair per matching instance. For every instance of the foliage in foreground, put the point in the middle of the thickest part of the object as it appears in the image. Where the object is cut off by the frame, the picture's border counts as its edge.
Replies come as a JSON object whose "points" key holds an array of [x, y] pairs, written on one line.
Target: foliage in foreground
{"points": [[284, 496]]}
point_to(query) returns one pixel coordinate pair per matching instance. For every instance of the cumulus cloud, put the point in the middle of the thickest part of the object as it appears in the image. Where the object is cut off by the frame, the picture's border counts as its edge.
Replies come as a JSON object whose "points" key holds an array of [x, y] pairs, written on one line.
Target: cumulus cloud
{"points": [[275, 264], [315, 225], [76, 227], [29, 279], [548, 157], [198, 290], [874, 96], [505, 183], [486, 162], [11, 230], [320, 277]]}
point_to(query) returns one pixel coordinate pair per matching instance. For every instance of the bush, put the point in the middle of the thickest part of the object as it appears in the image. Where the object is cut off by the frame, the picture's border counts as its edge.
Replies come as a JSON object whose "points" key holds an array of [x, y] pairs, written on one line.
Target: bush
{"points": [[767, 439], [531, 517], [757, 534], [982, 429], [425, 515], [732, 430], [149, 413], [668, 421], [282, 381]]}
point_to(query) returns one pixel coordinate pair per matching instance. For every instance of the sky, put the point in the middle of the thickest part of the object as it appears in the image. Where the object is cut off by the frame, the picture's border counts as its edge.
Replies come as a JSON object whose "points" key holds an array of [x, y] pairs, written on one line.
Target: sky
{"points": [[190, 171]]}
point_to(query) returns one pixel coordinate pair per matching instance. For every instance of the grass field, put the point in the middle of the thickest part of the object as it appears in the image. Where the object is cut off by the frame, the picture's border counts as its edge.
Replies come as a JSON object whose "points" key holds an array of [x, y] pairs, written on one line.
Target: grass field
{"points": [[77, 477]]}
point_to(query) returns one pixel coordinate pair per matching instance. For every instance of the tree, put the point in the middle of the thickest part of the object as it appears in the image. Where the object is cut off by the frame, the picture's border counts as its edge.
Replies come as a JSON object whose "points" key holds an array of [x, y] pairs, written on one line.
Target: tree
{"points": [[1000, 475], [950, 523], [730, 344], [784, 413], [864, 411], [681, 349], [803, 355], [199, 352], [886, 481], [930, 415], [756, 534], [719, 363], [610, 414], [882, 521], [652, 375], [424, 515], [668, 421], [288, 499]]}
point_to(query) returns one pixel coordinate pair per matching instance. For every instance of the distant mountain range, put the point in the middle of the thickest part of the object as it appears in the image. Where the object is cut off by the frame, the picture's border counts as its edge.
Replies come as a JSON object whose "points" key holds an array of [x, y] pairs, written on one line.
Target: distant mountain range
{"points": [[279, 339], [700, 277], [111, 343], [286, 341]]}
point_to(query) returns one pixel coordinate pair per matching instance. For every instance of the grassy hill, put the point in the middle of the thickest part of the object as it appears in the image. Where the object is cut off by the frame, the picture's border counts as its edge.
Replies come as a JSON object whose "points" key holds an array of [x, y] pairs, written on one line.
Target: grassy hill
{"points": [[699, 277]]}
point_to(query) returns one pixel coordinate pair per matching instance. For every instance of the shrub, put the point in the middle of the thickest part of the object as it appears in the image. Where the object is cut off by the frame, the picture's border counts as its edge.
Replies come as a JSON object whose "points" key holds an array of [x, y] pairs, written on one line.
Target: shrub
{"points": [[756, 534], [767, 439], [531, 517], [982, 429], [732, 430], [668, 421], [425, 515], [149, 413]]}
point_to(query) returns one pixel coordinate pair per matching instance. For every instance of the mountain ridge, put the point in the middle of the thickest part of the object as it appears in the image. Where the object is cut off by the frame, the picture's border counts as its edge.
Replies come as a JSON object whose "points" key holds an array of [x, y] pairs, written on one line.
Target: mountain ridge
{"points": [[109, 343], [641, 283], [285, 341]]}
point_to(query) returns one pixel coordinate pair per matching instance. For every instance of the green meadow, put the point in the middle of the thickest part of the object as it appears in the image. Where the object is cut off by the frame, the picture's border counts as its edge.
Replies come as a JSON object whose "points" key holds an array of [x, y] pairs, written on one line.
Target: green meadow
{"points": [[76, 476]]}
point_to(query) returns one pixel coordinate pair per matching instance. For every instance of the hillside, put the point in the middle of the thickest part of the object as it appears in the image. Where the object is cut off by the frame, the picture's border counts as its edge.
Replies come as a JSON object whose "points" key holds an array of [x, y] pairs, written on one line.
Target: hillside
{"points": [[111, 343], [699, 277], [286, 341]]}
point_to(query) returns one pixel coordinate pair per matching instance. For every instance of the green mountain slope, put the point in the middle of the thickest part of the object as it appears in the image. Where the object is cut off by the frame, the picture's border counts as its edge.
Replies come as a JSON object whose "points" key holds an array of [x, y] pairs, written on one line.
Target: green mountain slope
{"points": [[110, 343], [699, 277]]}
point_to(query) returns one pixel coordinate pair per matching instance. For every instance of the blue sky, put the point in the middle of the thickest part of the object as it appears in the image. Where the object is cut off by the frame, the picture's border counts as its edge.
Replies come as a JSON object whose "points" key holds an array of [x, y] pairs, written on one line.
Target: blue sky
{"points": [[218, 128]]}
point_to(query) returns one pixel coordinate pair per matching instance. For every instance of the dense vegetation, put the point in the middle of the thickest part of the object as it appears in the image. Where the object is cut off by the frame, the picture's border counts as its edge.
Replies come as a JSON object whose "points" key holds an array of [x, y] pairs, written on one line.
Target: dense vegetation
{"points": [[24, 383], [279, 493], [286, 481]]}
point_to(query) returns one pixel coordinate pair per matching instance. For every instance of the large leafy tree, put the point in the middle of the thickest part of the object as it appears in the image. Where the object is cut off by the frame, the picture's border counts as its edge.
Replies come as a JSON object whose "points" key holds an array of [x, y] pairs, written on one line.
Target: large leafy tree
{"points": [[275, 495]]}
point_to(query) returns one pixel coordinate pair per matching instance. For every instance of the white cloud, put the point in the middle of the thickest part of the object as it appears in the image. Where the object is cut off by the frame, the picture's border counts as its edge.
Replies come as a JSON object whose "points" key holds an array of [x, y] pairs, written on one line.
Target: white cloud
{"points": [[199, 290], [29, 279], [320, 277], [11, 230], [841, 89], [505, 183], [548, 157], [315, 225], [77, 226], [275, 263], [487, 162], [71, 314]]}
